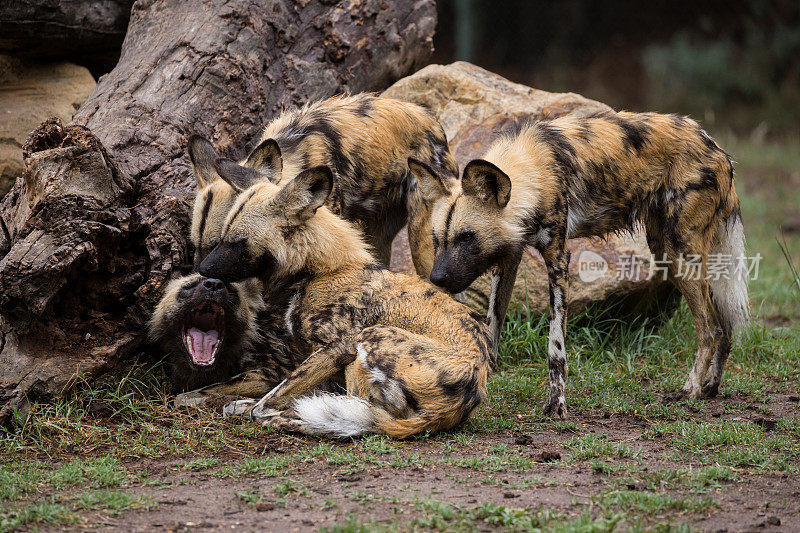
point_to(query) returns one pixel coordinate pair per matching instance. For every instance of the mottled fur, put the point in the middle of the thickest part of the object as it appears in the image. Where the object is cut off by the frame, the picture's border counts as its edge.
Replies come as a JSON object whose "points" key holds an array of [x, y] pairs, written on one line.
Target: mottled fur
{"points": [[413, 358], [365, 140], [577, 177]]}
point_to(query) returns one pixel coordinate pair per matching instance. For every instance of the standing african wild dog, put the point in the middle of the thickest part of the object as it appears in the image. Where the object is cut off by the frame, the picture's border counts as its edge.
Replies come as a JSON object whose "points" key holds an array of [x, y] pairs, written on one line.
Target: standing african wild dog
{"points": [[366, 141], [414, 359], [578, 177]]}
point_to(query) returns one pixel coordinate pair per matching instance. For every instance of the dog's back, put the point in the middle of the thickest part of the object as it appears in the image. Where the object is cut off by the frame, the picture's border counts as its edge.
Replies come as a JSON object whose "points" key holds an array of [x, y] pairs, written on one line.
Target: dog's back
{"points": [[617, 169]]}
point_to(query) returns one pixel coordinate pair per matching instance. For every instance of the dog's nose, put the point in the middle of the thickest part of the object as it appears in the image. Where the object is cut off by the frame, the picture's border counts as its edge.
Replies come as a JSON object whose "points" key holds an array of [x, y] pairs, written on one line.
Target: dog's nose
{"points": [[213, 285], [439, 277]]}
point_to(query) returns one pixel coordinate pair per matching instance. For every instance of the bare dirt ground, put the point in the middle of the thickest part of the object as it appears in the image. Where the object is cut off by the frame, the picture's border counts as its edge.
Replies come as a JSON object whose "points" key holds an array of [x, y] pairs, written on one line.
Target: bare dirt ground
{"points": [[377, 484]]}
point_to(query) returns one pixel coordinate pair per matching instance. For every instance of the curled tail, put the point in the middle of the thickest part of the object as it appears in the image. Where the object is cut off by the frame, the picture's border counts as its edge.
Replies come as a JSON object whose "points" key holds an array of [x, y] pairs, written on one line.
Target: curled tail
{"points": [[340, 416], [729, 292]]}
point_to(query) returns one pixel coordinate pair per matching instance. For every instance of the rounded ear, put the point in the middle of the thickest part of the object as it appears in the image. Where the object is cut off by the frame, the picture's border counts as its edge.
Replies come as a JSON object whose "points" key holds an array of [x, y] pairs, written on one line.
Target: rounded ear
{"points": [[202, 155], [483, 180], [306, 193], [235, 175], [426, 180], [266, 158]]}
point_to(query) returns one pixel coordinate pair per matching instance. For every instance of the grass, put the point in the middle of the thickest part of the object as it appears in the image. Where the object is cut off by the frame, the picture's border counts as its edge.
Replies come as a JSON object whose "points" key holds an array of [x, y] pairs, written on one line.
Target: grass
{"points": [[20, 477], [592, 446], [110, 501], [730, 443], [87, 455], [203, 463], [44, 513], [436, 515], [650, 503]]}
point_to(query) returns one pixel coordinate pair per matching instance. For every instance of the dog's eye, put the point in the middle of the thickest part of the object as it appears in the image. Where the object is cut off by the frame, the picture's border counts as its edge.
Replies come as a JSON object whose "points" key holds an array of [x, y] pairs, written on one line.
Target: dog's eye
{"points": [[465, 237]]}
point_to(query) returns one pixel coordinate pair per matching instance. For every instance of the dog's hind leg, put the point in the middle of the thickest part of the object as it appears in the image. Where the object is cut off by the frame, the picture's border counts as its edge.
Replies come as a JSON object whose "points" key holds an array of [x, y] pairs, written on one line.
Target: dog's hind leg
{"points": [[698, 298]]}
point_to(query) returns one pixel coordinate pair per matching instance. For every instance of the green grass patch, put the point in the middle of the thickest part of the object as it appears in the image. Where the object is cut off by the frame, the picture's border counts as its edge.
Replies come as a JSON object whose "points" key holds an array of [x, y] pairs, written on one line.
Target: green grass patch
{"points": [[41, 513], [497, 458], [729, 443], [651, 503], [111, 501], [593, 446]]}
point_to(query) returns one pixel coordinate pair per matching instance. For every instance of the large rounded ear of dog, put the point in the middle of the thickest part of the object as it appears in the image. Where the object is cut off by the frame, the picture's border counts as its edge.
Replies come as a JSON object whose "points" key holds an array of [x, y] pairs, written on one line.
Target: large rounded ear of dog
{"points": [[483, 180], [202, 155], [424, 179], [266, 158], [235, 175], [306, 193]]}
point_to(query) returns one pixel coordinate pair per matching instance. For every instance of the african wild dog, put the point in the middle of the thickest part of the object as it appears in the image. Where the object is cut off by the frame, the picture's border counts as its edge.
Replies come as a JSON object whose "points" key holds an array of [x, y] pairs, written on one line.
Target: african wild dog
{"points": [[366, 141], [577, 177], [413, 358]]}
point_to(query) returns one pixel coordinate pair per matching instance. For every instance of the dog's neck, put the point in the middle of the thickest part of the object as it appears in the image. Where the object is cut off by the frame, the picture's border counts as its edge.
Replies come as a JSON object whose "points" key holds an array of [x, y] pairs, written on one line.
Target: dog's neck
{"points": [[334, 245]]}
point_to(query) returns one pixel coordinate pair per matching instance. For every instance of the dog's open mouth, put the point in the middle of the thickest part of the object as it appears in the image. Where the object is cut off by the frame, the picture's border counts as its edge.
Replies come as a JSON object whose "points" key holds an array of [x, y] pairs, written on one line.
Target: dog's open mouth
{"points": [[203, 332]]}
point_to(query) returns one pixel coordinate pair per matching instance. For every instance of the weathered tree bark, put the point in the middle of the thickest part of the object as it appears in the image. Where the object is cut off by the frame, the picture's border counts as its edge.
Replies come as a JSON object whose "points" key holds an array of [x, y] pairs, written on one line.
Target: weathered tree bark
{"points": [[88, 32], [99, 221]]}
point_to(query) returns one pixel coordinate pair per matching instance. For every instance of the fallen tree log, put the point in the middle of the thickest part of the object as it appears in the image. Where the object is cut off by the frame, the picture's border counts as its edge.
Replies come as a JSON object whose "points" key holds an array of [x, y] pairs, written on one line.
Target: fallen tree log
{"points": [[99, 221]]}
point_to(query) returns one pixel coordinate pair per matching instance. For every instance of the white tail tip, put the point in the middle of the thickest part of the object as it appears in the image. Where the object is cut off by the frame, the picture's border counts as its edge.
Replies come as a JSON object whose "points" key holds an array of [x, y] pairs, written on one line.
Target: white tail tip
{"points": [[334, 415]]}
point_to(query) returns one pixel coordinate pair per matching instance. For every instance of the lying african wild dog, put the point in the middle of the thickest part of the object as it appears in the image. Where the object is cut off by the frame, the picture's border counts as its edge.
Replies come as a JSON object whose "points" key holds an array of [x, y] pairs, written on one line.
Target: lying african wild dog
{"points": [[211, 331], [577, 177], [366, 141], [413, 358]]}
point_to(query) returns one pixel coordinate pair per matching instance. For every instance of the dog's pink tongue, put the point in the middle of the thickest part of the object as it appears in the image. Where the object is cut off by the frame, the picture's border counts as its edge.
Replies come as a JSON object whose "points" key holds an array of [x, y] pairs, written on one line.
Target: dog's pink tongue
{"points": [[203, 343]]}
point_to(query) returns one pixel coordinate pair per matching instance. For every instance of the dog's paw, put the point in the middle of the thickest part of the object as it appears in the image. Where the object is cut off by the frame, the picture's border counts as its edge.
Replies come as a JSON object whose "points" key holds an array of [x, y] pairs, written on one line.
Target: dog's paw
{"points": [[238, 408], [680, 395], [673, 396], [193, 398], [281, 423], [555, 407], [264, 413], [709, 390]]}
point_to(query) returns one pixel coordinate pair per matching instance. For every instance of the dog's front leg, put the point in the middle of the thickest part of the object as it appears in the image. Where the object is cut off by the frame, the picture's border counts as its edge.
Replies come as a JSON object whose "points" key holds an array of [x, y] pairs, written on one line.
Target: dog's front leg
{"points": [[556, 257], [320, 366], [503, 278]]}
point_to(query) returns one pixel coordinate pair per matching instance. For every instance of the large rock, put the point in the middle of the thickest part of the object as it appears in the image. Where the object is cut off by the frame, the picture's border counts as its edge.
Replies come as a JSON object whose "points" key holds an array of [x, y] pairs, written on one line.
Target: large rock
{"points": [[473, 105], [31, 94]]}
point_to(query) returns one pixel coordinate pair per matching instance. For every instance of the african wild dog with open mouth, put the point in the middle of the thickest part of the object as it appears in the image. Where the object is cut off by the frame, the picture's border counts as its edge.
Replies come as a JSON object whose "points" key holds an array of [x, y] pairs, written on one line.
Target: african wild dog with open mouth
{"points": [[365, 140], [413, 358], [578, 177], [211, 331]]}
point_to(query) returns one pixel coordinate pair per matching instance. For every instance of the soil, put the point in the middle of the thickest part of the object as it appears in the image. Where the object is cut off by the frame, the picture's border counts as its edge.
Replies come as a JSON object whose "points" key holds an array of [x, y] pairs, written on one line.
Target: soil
{"points": [[202, 501]]}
